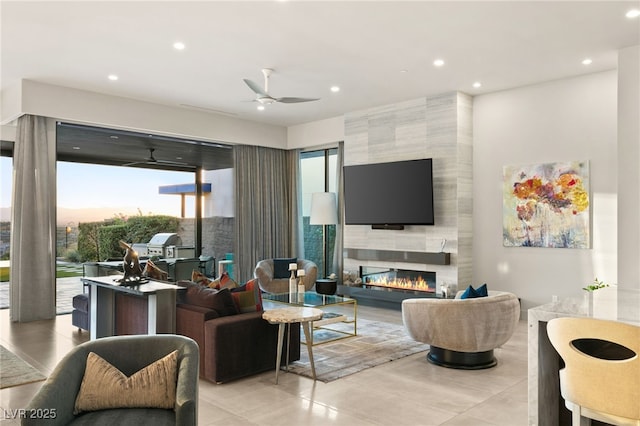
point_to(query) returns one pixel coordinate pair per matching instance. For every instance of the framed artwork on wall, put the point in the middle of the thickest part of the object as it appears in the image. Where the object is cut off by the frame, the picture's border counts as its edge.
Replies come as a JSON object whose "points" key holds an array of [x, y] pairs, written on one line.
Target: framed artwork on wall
{"points": [[546, 205]]}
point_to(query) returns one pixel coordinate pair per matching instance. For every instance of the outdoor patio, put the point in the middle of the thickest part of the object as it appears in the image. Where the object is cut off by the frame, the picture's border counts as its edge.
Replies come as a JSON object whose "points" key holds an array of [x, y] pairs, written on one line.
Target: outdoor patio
{"points": [[66, 288]]}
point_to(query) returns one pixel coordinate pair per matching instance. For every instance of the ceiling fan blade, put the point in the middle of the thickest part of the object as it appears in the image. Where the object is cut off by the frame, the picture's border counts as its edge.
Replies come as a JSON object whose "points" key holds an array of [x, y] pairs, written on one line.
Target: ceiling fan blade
{"points": [[253, 86], [288, 100]]}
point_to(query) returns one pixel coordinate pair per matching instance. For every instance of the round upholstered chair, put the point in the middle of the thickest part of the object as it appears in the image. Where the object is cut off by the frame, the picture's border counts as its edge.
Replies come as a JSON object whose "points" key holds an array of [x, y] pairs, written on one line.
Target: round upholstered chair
{"points": [[601, 376], [273, 274], [462, 333]]}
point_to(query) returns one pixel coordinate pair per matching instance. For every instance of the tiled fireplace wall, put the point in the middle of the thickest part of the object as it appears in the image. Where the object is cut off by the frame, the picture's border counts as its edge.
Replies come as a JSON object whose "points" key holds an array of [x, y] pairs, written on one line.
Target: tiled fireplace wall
{"points": [[438, 127]]}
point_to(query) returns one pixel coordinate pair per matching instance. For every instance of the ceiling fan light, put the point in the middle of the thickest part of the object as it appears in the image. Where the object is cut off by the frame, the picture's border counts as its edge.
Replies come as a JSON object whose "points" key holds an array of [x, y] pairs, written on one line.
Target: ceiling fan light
{"points": [[260, 107]]}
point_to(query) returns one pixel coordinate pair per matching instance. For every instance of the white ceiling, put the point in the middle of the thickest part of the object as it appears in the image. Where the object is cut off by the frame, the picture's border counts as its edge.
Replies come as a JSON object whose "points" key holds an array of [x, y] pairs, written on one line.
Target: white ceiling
{"points": [[360, 46]]}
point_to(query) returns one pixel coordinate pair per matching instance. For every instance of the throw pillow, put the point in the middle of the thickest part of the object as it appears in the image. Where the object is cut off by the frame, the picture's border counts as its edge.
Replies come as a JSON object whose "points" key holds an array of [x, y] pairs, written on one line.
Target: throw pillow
{"points": [[472, 293], [482, 291], [152, 271], [247, 297], [200, 278], [281, 267], [205, 297], [224, 281], [104, 386]]}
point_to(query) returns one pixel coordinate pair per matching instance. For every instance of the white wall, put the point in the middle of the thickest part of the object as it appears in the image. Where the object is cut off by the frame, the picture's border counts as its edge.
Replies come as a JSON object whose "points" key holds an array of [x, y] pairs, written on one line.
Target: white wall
{"points": [[628, 168], [67, 104], [571, 119]]}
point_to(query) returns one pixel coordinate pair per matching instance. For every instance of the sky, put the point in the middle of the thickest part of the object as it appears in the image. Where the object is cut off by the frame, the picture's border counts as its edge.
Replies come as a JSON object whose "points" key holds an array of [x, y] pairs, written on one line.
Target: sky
{"points": [[127, 189], [113, 189]]}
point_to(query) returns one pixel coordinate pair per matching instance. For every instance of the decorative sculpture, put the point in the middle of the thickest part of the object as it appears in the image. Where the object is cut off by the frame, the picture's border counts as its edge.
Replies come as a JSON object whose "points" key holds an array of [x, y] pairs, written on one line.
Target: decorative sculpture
{"points": [[131, 266]]}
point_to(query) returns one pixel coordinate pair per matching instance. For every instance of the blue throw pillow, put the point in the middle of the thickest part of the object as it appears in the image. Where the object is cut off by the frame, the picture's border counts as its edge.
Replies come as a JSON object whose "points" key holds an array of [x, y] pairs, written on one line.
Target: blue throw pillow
{"points": [[281, 267], [482, 291], [469, 293], [472, 293]]}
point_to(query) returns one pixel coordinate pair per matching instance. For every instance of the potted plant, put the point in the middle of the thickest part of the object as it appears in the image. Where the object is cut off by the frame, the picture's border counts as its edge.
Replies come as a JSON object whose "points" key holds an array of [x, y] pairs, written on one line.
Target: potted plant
{"points": [[590, 289]]}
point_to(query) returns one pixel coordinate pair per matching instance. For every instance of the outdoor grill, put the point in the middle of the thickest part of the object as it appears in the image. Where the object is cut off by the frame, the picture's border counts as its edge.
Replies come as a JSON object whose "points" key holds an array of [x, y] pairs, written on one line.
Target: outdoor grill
{"points": [[159, 244]]}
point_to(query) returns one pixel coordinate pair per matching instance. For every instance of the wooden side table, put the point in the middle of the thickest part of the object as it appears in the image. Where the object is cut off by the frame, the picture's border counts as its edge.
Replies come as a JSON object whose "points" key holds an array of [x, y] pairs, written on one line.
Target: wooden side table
{"points": [[284, 316]]}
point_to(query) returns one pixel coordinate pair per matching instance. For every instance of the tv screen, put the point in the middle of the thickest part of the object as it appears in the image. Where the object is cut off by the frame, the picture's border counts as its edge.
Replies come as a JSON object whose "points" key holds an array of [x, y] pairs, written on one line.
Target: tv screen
{"points": [[396, 193]]}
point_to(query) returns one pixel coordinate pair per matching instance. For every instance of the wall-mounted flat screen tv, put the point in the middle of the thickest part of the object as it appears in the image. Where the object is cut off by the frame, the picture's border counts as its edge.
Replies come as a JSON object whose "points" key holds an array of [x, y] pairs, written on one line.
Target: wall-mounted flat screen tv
{"points": [[394, 193]]}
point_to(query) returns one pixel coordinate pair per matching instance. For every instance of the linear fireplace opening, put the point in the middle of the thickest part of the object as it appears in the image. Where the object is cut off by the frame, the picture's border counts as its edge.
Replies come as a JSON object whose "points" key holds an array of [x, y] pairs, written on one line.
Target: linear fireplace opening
{"points": [[387, 287], [402, 280]]}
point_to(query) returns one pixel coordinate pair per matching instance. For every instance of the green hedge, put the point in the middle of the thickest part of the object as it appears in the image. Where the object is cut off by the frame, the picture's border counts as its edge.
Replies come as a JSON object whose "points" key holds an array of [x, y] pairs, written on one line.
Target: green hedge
{"points": [[99, 240], [109, 237], [88, 242], [140, 229]]}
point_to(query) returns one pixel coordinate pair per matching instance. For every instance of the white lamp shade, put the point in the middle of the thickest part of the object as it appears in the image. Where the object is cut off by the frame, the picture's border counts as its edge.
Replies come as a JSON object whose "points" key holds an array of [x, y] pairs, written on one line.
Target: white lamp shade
{"points": [[323, 209]]}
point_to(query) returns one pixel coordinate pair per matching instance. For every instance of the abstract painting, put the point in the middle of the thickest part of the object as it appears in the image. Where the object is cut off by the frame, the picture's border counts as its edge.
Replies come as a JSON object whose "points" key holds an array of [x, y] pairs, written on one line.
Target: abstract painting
{"points": [[546, 205]]}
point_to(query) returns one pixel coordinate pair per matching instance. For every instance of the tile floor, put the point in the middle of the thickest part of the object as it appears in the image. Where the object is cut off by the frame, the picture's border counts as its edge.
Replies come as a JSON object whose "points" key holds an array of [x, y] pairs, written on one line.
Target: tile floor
{"points": [[409, 391]]}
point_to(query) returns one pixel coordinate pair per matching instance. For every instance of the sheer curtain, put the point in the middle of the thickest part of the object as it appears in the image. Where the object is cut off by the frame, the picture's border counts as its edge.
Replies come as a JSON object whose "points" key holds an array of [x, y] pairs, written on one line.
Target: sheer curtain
{"points": [[339, 242], [265, 207], [33, 231]]}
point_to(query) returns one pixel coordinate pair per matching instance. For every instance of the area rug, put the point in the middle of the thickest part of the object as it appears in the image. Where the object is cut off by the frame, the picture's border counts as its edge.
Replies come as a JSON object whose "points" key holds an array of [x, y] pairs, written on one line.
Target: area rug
{"points": [[15, 371], [376, 343]]}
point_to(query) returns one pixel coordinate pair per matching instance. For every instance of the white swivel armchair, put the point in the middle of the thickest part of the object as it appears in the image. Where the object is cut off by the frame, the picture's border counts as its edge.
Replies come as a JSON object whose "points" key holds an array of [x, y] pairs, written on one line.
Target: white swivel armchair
{"points": [[462, 333]]}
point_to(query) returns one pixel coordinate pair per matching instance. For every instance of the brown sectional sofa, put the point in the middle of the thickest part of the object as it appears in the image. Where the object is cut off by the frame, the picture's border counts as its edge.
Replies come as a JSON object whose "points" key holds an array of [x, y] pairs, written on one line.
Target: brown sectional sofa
{"points": [[232, 345]]}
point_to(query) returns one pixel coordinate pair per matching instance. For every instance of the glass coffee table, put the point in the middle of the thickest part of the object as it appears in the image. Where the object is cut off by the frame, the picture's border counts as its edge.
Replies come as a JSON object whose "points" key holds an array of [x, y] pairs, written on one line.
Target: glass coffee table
{"points": [[339, 319]]}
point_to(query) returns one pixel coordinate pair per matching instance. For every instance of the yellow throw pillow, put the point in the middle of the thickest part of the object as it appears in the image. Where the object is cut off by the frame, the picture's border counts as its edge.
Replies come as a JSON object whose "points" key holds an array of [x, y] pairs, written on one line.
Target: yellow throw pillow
{"points": [[104, 386]]}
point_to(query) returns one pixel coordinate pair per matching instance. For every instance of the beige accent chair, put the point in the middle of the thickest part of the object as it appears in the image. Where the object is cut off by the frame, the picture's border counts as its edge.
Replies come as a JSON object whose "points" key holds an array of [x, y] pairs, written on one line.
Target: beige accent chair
{"points": [[462, 333], [264, 273], [601, 377]]}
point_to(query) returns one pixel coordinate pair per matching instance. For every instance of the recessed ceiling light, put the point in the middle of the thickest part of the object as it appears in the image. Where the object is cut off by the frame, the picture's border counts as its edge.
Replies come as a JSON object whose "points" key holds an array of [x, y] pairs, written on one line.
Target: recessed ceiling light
{"points": [[335, 89], [113, 77], [260, 107], [477, 84], [76, 148], [438, 62], [178, 158], [404, 71], [633, 13], [178, 45], [113, 137], [587, 61]]}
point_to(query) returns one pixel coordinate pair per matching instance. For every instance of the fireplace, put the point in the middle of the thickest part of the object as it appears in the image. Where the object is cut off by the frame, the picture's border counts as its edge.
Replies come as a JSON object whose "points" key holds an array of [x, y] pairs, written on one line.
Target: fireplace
{"points": [[387, 287], [398, 280]]}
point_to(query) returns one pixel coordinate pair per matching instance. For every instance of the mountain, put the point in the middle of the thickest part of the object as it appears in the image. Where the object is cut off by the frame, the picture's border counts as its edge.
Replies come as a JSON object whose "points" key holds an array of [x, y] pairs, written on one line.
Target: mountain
{"points": [[75, 216]]}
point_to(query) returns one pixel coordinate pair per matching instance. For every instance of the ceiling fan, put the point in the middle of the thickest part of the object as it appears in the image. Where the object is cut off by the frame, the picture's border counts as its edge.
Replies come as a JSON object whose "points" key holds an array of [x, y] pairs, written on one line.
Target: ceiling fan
{"points": [[263, 96], [152, 161]]}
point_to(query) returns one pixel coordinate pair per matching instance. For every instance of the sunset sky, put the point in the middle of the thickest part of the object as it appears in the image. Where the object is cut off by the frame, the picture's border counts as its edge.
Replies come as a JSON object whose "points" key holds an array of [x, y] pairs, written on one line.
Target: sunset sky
{"points": [[112, 189]]}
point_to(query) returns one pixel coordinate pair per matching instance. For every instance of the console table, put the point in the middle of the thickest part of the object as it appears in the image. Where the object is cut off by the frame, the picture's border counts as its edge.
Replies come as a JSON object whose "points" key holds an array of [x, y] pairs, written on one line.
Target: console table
{"points": [[160, 298], [546, 406]]}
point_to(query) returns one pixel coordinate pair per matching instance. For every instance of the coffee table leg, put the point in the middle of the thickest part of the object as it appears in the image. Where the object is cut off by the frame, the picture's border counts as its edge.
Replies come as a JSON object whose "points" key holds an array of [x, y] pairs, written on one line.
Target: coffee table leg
{"points": [[308, 334], [279, 348]]}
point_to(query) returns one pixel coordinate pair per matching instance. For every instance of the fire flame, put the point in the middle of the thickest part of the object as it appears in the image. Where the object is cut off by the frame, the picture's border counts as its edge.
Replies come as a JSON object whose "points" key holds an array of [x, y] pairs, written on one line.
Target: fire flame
{"points": [[419, 283]]}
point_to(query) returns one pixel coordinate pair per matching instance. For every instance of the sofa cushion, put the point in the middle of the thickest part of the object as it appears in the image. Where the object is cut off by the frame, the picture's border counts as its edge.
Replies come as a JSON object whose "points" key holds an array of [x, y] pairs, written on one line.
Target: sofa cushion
{"points": [[104, 386], [471, 293], [281, 267], [247, 298], [152, 271], [224, 281], [217, 300], [200, 278], [81, 302]]}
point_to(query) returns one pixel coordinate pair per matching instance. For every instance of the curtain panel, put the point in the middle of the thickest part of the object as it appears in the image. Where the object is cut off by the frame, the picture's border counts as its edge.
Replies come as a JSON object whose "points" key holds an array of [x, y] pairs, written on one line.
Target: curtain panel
{"points": [[33, 231], [338, 263], [265, 207]]}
